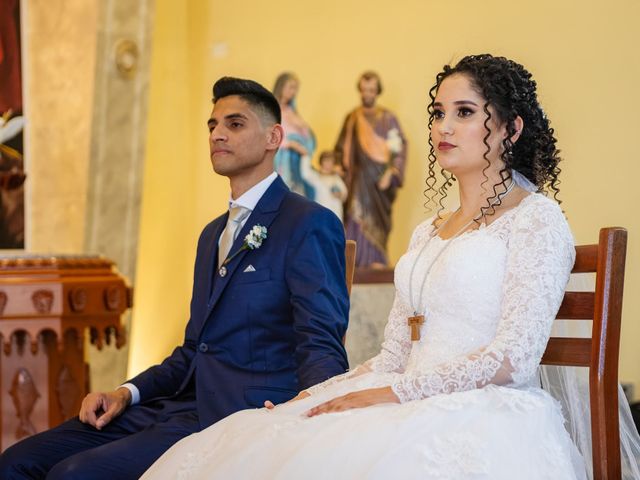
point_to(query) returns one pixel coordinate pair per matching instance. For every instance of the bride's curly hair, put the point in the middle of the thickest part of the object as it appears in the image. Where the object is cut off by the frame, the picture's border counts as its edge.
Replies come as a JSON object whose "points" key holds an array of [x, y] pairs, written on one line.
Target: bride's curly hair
{"points": [[509, 89]]}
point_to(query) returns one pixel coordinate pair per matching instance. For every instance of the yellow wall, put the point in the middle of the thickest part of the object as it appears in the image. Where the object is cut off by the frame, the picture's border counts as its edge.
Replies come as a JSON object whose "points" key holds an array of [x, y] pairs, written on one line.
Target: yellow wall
{"points": [[167, 230], [583, 55]]}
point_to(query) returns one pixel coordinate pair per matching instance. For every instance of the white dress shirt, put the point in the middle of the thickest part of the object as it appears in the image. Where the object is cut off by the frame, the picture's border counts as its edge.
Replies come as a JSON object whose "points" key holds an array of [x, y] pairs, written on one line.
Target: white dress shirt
{"points": [[251, 197]]}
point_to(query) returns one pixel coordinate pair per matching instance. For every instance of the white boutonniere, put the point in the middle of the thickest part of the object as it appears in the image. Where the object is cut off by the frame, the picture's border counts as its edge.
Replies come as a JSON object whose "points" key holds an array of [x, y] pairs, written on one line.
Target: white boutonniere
{"points": [[255, 237], [252, 241]]}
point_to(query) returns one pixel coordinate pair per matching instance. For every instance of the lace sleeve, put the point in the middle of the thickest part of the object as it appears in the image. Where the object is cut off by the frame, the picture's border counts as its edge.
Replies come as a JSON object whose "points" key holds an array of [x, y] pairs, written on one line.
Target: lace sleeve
{"points": [[539, 261], [397, 344]]}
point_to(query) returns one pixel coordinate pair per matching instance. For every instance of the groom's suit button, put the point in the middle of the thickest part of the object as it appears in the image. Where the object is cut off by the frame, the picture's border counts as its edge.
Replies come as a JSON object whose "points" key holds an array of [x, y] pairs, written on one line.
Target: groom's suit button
{"points": [[203, 347]]}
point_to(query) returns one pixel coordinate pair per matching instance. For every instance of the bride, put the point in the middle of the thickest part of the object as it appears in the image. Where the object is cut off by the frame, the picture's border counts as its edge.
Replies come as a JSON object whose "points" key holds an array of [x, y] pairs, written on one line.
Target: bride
{"points": [[453, 392]]}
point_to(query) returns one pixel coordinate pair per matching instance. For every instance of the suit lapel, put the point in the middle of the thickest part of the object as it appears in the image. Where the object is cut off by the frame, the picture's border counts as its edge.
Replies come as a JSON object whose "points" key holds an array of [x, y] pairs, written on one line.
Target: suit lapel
{"points": [[264, 213]]}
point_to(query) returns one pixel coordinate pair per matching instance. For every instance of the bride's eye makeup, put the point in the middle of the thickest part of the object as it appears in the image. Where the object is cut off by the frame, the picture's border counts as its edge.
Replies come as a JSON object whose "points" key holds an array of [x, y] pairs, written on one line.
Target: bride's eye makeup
{"points": [[465, 112], [438, 114]]}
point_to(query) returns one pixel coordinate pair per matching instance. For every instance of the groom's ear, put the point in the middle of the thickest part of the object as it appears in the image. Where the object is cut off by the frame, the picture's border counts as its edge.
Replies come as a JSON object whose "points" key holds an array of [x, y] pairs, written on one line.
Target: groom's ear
{"points": [[275, 136]]}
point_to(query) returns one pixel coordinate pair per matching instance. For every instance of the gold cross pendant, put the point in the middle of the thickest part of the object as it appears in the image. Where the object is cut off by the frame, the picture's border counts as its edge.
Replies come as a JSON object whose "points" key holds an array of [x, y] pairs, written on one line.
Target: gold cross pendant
{"points": [[415, 322]]}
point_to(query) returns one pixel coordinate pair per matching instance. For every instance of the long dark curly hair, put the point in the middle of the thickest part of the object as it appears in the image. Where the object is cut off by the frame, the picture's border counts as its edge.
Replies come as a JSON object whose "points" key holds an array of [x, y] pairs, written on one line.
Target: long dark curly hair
{"points": [[509, 89]]}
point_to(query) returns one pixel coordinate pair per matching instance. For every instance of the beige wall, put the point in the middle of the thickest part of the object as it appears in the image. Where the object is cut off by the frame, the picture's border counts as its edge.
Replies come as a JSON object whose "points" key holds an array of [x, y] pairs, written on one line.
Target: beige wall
{"points": [[581, 53], [58, 64]]}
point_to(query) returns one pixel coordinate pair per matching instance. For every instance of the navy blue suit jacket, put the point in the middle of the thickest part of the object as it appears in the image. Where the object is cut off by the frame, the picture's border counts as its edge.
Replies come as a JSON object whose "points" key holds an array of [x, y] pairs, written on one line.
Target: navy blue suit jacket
{"points": [[264, 334]]}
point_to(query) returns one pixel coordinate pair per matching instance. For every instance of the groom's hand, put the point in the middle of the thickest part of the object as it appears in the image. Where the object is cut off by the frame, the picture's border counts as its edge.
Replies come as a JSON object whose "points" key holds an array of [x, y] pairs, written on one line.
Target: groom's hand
{"points": [[99, 408], [303, 394]]}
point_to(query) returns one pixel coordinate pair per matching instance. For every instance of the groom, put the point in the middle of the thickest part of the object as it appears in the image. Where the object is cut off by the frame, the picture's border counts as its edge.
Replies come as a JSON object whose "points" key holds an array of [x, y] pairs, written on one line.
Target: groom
{"points": [[268, 312]]}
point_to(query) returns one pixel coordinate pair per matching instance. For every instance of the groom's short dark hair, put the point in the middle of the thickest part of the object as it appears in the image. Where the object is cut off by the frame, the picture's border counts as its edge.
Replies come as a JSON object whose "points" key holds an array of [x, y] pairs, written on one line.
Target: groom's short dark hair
{"points": [[251, 92]]}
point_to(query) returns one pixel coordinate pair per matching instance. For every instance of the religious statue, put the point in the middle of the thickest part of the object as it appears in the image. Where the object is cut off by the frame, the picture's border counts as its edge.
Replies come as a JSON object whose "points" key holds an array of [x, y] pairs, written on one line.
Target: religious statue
{"points": [[299, 139], [372, 150]]}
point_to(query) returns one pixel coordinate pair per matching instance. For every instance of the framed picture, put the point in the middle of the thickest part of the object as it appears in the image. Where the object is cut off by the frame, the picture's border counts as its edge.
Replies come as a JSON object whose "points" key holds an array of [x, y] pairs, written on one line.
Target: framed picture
{"points": [[12, 173]]}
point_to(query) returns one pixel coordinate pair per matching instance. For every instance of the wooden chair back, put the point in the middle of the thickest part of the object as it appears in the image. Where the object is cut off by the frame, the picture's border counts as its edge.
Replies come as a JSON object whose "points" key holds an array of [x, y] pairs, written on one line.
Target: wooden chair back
{"points": [[600, 352], [350, 261]]}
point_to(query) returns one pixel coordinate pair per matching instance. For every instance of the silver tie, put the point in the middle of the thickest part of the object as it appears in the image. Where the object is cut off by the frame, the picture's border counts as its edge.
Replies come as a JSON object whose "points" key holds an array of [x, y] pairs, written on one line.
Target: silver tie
{"points": [[237, 214]]}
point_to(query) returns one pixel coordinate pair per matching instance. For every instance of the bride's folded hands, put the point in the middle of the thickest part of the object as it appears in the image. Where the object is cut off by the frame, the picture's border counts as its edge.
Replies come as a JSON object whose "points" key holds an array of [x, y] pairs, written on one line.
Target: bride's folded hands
{"points": [[359, 399]]}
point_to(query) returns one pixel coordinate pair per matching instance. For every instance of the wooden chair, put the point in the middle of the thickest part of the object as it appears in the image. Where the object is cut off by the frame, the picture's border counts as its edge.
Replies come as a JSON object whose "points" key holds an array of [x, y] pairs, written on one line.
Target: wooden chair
{"points": [[600, 352], [350, 260]]}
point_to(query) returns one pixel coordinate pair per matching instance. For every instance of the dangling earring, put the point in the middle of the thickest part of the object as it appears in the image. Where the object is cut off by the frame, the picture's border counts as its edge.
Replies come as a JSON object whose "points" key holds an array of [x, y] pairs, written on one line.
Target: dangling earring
{"points": [[509, 152], [510, 148]]}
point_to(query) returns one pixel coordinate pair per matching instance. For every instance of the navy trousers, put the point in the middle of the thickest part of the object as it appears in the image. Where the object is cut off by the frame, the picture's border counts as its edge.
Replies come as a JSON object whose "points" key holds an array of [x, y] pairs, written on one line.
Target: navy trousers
{"points": [[123, 449]]}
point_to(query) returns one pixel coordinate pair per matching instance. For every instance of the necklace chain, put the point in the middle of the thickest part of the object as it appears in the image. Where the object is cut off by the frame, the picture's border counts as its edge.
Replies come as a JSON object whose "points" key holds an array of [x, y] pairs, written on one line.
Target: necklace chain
{"points": [[449, 241]]}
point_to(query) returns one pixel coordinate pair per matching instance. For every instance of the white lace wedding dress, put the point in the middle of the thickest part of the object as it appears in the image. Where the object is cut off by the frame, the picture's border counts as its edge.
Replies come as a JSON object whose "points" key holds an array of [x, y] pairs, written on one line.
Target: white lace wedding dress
{"points": [[470, 405]]}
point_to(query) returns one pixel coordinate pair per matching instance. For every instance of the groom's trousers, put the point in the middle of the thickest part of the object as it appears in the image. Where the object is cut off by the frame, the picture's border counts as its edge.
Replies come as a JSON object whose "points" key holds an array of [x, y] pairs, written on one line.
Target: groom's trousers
{"points": [[123, 449]]}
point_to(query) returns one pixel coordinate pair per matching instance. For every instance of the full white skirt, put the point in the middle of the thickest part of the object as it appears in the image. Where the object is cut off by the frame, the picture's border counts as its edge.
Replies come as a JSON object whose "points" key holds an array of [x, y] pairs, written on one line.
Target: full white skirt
{"points": [[489, 433]]}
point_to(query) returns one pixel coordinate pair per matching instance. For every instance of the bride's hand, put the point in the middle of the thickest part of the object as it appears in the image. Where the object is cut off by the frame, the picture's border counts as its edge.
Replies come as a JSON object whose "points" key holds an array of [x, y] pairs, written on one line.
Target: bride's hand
{"points": [[303, 394], [360, 399]]}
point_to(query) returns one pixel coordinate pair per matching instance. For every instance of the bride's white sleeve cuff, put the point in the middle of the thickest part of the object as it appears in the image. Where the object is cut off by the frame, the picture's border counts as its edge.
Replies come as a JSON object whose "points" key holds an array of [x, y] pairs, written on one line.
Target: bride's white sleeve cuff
{"points": [[406, 391]]}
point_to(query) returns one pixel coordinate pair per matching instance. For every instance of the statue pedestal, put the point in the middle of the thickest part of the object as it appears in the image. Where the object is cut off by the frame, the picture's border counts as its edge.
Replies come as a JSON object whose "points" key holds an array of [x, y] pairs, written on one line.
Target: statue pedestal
{"points": [[48, 305], [371, 300]]}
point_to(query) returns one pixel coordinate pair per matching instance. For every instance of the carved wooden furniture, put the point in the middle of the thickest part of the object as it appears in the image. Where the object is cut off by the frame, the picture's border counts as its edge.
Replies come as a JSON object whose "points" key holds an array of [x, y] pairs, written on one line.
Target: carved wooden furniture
{"points": [[600, 352], [47, 306]]}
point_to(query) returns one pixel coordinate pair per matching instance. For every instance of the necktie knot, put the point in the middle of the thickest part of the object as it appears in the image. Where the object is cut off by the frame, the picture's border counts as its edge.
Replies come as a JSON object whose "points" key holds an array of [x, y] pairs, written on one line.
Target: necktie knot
{"points": [[238, 213]]}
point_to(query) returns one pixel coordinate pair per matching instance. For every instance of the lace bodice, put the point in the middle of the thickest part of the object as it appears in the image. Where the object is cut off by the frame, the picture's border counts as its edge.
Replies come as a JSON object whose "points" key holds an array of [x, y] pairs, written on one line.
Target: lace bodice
{"points": [[489, 302]]}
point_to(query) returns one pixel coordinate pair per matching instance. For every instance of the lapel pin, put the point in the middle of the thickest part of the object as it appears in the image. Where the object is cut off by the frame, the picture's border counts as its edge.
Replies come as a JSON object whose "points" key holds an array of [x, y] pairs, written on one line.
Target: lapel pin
{"points": [[222, 271]]}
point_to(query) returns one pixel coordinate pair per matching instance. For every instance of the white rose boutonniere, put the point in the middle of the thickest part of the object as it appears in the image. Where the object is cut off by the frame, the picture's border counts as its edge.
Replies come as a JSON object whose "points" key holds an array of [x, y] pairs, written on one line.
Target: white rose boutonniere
{"points": [[252, 241], [255, 237]]}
